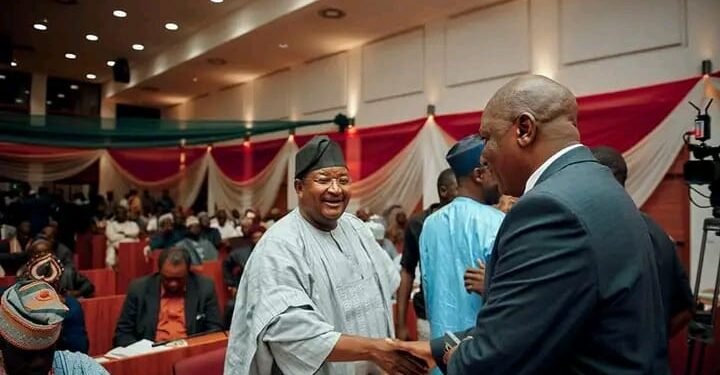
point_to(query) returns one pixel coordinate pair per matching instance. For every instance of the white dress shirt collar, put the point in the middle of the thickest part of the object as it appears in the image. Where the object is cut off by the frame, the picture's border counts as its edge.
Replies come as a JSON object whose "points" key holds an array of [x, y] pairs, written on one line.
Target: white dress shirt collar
{"points": [[535, 176]]}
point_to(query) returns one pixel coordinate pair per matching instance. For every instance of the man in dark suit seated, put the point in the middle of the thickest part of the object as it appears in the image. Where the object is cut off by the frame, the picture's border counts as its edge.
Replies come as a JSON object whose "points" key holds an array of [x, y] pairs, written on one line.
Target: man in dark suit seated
{"points": [[571, 285], [170, 304]]}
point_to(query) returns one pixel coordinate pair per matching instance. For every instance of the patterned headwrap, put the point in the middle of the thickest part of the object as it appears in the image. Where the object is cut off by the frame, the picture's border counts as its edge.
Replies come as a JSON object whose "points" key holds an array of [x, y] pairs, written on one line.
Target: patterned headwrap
{"points": [[31, 315], [45, 267]]}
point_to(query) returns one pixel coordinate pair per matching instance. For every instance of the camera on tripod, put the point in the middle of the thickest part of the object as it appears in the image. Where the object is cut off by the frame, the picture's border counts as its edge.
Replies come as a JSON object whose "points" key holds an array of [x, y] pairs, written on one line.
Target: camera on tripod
{"points": [[703, 171]]}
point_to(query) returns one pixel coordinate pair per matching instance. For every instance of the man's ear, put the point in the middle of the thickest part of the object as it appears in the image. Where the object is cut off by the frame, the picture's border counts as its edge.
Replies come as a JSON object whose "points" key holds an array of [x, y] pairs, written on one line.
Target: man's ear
{"points": [[299, 187], [477, 175], [526, 129]]}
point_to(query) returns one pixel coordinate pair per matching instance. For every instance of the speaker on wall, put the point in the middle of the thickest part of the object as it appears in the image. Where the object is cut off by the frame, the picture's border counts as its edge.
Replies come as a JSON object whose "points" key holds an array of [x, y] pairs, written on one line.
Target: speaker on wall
{"points": [[121, 71], [6, 49]]}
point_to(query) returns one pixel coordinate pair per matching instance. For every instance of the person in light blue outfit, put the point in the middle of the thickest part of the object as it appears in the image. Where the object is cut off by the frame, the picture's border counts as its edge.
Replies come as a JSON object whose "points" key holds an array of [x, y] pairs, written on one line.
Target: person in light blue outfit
{"points": [[457, 240]]}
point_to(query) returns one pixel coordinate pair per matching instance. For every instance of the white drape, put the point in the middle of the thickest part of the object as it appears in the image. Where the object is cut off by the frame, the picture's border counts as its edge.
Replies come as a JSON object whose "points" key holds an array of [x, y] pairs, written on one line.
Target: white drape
{"points": [[46, 167], [184, 186], [260, 191]]}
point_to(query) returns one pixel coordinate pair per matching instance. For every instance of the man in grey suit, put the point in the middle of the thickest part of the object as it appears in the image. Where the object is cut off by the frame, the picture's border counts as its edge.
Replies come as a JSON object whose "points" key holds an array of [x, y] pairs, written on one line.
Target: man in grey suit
{"points": [[571, 284]]}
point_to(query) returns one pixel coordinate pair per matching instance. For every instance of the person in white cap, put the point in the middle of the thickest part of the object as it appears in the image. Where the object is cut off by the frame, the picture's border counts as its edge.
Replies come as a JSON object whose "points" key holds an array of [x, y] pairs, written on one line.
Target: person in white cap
{"points": [[199, 248]]}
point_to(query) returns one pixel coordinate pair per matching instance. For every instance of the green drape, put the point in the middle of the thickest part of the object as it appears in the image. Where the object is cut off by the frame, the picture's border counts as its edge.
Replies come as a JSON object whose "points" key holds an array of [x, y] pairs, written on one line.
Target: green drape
{"points": [[61, 131]]}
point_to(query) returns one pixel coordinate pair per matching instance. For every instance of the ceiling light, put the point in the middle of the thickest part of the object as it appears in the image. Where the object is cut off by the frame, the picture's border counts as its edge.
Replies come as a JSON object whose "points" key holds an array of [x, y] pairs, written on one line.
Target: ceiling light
{"points": [[27, 92], [49, 102], [39, 26], [216, 1], [2, 76], [172, 26], [110, 63], [70, 56], [90, 76], [119, 13], [13, 63], [92, 37], [138, 47], [74, 87], [283, 45], [18, 101], [61, 95], [331, 13], [195, 79]]}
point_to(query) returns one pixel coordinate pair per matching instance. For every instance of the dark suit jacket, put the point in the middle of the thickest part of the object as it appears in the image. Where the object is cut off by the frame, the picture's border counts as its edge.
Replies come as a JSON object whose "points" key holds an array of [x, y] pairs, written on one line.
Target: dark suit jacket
{"points": [[139, 316], [572, 286]]}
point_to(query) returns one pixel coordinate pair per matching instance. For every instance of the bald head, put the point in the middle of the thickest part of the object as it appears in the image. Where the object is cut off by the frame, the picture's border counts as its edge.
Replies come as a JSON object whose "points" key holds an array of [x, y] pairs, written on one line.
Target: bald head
{"points": [[525, 122]]}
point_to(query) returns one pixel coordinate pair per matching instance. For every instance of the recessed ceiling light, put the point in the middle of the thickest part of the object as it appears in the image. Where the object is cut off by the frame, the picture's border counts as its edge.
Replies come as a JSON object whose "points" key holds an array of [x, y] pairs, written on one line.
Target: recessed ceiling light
{"points": [[27, 92], [216, 1], [74, 87], [138, 47], [61, 95], [172, 26], [39, 26], [92, 37], [90, 76], [119, 13], [332, 13], [49, 102], [283, 45], [13, 63], [70, 56], [18, 101], [110, 63], [195, 79], [2, 76]]}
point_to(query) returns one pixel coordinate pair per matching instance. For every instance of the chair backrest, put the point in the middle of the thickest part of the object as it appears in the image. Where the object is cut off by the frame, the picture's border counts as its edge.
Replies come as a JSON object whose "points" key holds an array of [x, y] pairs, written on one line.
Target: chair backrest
{"points": [[103, 279], [211, 363], [101, 316]]}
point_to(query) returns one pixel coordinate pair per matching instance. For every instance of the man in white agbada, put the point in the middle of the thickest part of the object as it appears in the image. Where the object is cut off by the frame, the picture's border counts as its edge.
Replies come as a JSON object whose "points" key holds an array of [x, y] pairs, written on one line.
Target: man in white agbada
{"points": [[315, 295], [117, 231]]}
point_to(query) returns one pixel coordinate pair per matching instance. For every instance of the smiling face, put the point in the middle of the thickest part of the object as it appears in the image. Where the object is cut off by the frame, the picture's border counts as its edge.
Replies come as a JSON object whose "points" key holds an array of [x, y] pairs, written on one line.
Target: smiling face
{"points": [[323, 196]]}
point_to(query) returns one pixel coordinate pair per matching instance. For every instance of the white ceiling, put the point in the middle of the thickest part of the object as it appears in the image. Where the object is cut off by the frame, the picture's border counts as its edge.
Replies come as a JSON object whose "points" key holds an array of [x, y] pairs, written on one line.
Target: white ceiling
{"points": [[244, 33]]}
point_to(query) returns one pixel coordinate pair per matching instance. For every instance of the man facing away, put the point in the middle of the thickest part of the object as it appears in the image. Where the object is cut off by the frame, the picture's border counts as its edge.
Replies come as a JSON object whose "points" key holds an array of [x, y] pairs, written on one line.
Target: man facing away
{"points": [[315, 297], [457, 237], [572, 286]]}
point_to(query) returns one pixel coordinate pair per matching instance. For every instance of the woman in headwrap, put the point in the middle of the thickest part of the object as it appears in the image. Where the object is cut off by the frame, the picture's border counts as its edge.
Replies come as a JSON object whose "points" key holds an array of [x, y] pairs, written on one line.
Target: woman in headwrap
{"points": [[46, 267]]}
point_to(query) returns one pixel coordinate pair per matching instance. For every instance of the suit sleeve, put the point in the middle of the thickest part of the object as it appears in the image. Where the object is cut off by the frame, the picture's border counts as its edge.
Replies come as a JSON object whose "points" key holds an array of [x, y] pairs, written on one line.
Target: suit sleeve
{"points": [[125, 329], [542, 288], [213, 320]]}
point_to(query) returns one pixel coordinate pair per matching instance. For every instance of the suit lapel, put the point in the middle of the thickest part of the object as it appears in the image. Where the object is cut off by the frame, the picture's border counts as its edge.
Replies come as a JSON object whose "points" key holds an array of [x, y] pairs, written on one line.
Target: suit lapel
{"points": [[153, 305], [191, 302]]}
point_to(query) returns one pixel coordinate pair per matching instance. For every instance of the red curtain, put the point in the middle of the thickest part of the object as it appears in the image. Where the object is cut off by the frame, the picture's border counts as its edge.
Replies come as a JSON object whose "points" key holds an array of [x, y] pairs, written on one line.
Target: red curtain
{"points": [[240, 162], [618, 119], [155, 164], [380, 144]]}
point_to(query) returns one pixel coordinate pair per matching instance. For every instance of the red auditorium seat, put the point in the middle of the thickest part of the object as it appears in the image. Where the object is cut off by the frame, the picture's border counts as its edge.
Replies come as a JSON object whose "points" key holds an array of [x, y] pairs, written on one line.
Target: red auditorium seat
{"points": [[207, 364], [99, 247], [104, 280]]}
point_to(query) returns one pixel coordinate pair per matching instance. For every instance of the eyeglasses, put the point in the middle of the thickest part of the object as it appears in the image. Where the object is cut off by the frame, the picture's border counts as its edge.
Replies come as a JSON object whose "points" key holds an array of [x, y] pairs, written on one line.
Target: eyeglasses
{"points": [[328, 181]]}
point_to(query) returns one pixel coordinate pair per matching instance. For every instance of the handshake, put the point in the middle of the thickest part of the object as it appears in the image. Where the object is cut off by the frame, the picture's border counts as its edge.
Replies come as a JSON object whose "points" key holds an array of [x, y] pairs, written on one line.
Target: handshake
{"points": [[402, 357]]}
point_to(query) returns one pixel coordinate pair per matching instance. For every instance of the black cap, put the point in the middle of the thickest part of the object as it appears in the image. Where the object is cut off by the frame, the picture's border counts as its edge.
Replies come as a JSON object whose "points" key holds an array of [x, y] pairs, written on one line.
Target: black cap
{"points": [[320, 152]]}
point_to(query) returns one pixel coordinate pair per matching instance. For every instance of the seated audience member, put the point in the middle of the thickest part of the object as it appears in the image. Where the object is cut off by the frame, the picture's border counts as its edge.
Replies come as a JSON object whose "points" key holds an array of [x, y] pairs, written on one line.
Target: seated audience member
{"points": [[236, 217], [100, 217], [166, 202], [119, 230], [152, 222], [12, 254], [24, 234], [378, 231], [31, 317], [72, 283], [234, 266], [47, 268], [167, 236], [170, 304], [396, 223], [675, 290], [207, 231], [62, 252], [225, 226], [199, 248], [248, 221]]}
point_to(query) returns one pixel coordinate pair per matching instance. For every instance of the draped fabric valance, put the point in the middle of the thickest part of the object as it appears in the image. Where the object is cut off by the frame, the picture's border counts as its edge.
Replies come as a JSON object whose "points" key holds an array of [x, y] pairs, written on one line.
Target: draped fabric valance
{"points": [[392, 164]]}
